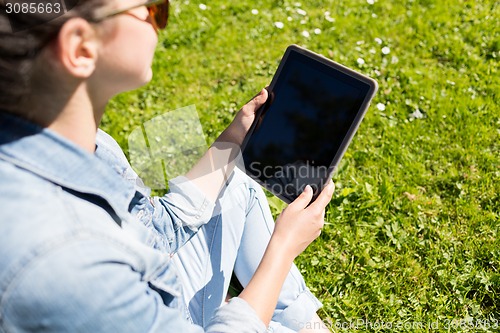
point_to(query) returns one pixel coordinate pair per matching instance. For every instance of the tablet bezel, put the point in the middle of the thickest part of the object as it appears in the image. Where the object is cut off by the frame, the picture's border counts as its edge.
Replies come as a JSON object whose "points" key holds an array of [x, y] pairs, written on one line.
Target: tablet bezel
{"points": [[323, 61]]}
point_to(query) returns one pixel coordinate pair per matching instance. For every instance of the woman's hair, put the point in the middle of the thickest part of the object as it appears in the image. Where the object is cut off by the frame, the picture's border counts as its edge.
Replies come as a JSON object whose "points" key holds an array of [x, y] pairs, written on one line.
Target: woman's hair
{"points": [[21, 39]]}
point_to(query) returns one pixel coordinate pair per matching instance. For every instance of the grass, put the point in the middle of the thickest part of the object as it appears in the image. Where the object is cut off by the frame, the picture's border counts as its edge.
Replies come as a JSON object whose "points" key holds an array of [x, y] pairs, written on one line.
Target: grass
{"points": [[414, 222]]}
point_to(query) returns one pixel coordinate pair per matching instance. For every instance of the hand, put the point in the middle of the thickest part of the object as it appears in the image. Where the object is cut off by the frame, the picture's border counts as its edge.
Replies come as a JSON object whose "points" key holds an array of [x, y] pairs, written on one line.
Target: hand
{"points": [[298, 225], [238, 129]]}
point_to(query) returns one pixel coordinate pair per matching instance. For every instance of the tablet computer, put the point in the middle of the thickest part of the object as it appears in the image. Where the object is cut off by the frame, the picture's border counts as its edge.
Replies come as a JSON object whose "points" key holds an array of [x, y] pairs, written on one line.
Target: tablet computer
{"points": [[300, 134]]}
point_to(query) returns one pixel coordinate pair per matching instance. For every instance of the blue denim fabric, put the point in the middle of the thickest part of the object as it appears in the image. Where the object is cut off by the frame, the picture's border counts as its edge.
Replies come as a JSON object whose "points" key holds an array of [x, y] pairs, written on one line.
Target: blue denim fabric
{"points": [[72, 257], [234, 239], [84, 248]]}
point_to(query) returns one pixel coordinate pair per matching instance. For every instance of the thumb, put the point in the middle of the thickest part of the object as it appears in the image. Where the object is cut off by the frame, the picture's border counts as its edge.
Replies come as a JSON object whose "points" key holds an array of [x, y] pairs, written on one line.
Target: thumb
{"points": [[303, 199], [256, 102], [261, 97]]}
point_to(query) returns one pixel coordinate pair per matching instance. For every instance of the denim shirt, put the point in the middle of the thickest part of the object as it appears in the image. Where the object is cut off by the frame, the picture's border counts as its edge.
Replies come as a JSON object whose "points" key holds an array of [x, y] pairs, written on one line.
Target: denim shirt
{"points": [[83, 248]]}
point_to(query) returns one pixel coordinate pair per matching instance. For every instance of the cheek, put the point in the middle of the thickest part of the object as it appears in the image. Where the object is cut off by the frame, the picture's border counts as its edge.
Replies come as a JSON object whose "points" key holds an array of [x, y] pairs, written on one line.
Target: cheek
{"points": [[126, 59]]}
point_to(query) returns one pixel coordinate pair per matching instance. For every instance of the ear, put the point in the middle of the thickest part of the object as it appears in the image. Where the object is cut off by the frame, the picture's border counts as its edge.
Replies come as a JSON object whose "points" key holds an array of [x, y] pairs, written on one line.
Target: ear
{"points": [[77, 47]]}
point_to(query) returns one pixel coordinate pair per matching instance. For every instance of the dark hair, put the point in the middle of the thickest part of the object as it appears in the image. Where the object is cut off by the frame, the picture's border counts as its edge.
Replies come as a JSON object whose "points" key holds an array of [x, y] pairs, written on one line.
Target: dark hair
{"points": [[19, 48]]}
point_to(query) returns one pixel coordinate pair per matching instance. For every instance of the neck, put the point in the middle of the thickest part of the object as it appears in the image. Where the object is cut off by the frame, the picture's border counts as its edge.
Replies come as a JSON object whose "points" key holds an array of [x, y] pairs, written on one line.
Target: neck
{"points": [[73, 116], [79, 120]]}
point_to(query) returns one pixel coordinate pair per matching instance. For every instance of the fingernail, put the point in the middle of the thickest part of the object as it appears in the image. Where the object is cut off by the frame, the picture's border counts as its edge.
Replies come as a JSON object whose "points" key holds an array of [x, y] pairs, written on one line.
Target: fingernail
{"points": [[331, 186], [308, 188]]}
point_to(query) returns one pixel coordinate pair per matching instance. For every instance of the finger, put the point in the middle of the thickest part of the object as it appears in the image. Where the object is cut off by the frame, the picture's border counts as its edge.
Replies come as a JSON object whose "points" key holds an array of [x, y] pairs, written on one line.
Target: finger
{"points": [[256, 102], [303, 199], [261, 97], [324, 197]]}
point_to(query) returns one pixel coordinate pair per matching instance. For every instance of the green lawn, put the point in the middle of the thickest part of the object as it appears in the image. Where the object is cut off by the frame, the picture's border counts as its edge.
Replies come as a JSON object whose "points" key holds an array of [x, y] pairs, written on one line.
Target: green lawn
{"points": [[414, 223]]}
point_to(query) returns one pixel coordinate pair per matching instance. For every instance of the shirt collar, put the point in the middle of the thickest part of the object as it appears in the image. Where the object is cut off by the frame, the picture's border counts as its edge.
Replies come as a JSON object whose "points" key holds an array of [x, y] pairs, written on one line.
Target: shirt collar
{"points": [[52, 157]]}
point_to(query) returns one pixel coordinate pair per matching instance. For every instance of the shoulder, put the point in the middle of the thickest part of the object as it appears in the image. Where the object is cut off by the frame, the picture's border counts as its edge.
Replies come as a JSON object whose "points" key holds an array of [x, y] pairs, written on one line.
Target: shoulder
{"points": [[26, 196], [108, 151], [35, 208], [112, 154], [108, 144], [38, 216], [66, 267]]}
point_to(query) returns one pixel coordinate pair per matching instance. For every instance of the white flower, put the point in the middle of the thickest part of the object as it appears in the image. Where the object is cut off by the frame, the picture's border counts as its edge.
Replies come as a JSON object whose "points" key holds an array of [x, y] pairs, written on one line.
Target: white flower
{"points": [[360, 61], [370, 2], [203, 6], [386, 50], [328, 17], [303, 21], [381, 106], [378, 41], [255, 11], [417, 114], [289, 19], [317, 31], [301, 12], [279, 25], [305, 34]]}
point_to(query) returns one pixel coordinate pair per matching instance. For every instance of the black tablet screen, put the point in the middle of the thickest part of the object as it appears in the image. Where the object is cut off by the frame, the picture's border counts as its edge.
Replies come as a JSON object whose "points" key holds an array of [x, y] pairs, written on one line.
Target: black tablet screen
{"points": [[311, 110]]}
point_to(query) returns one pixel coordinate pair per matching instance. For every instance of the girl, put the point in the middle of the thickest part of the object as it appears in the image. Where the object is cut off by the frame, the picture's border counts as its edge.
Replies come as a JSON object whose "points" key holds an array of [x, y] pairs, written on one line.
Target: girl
{"points": [[83, 245]]}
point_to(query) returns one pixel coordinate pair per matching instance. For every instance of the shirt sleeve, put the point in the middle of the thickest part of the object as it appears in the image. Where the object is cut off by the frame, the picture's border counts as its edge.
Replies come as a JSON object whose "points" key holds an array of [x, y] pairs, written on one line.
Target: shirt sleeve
{"points": [[236, 316]]}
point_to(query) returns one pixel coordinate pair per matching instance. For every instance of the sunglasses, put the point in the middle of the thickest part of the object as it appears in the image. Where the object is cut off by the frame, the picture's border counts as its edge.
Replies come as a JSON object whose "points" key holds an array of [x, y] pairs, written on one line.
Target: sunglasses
{"points": [[158, 13]]}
